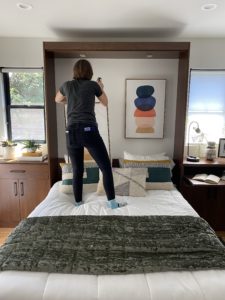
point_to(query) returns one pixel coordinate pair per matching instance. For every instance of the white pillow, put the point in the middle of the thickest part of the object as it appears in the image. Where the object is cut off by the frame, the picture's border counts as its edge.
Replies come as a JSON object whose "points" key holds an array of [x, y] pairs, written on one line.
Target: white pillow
{"points": [[127, 182], [152, 157], [158, 156]]}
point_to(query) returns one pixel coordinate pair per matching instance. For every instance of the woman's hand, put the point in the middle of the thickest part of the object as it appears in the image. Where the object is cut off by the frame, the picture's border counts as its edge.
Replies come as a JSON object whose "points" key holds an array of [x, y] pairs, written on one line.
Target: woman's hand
{"points": [[59, 98], [99, 81], [103, 98]]}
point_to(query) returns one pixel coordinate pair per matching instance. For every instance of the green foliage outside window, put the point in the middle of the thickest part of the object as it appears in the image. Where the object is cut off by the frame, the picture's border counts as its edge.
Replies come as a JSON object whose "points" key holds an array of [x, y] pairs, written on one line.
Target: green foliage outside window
{"points": [[26, 88]]}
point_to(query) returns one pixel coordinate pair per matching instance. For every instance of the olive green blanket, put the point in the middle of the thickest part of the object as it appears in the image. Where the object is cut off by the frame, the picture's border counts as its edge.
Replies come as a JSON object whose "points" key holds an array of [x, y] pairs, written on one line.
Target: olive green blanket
{"points": [[112, 245]]}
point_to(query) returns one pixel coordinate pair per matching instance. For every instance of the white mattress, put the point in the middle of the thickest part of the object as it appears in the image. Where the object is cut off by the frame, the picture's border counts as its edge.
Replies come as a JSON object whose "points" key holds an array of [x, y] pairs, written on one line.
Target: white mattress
{"points": [[198, 285]]}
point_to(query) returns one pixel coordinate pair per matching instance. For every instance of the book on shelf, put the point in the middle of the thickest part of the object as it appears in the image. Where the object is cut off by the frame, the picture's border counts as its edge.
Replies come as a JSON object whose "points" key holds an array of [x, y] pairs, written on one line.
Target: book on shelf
{"points": [[207, 178], [32, 158]]}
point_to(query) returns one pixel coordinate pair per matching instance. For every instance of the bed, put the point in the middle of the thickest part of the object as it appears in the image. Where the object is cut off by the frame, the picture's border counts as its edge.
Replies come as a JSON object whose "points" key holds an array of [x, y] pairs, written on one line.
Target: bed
{"points": [[188, 285]]}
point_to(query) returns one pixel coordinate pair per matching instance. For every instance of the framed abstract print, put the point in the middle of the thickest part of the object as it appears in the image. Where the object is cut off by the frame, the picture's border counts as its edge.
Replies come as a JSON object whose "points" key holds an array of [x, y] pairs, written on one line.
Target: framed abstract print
{"points": [[145, 105]]}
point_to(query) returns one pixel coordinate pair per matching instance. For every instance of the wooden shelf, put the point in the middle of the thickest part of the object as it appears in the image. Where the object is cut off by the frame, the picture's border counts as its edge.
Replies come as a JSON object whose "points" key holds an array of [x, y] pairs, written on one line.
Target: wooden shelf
{"points": [[203, 163]]}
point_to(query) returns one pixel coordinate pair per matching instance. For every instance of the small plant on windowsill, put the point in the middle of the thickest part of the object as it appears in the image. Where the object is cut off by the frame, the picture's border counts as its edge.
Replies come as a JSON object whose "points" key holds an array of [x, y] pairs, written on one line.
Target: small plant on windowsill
{"points": [[8, 149], [8, 143], [30, 146]]}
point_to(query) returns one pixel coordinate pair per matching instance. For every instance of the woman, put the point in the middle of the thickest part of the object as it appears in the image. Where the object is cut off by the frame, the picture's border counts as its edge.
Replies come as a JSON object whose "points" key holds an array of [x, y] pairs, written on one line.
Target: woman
{"points": [[82, 129]]}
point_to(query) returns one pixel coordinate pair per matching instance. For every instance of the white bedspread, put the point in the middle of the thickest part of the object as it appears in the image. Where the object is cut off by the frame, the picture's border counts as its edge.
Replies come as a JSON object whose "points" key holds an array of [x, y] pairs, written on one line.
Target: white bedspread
{"points": [[198, 285], [156, 202]]}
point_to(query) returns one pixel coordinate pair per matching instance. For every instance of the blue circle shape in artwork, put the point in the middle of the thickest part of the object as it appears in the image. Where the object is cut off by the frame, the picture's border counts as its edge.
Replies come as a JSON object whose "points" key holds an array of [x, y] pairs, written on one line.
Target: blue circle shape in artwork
{"points": [[145, 91], [145, 104]]}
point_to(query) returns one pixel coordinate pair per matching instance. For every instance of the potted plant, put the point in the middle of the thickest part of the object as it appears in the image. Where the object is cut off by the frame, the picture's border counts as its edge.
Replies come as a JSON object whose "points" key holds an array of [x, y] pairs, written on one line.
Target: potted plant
{"points": [[30, 146], [8, 149]]}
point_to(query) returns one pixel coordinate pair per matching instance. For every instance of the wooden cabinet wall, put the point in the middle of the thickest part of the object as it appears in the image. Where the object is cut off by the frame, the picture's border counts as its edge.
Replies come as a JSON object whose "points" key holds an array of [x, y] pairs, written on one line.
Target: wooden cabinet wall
{"points": [[115, 50], [22, 187]]}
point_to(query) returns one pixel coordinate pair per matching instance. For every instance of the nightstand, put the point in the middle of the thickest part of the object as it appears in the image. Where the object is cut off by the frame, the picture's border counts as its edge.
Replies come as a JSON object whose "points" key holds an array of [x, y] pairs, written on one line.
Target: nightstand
{"points": [[23, 186]]}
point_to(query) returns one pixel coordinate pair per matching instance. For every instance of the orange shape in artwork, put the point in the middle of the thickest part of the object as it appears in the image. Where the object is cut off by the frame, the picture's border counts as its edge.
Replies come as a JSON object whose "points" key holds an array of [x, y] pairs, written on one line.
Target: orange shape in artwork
{"points": [[141, 113], [144, 122]]}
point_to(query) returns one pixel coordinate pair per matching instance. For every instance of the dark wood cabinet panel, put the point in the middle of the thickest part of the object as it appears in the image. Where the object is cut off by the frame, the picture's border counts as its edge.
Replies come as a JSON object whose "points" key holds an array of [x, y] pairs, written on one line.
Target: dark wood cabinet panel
{"points": [[218, 209], [207, 199]]}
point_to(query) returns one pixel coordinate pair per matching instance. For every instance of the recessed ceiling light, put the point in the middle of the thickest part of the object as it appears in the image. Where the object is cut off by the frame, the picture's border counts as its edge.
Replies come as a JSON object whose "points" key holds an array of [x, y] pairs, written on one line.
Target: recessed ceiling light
{"points": [[209, 7], [24, 6]]}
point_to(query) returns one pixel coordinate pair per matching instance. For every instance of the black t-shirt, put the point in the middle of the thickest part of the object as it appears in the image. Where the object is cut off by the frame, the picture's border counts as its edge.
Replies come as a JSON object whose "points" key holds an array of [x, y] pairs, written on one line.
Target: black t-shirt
{"points": [[80, 96]]}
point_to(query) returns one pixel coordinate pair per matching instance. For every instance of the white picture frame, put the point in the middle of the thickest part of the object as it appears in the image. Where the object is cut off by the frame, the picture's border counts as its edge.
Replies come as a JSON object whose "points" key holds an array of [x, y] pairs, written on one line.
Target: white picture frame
{"points": [[221, 148]]}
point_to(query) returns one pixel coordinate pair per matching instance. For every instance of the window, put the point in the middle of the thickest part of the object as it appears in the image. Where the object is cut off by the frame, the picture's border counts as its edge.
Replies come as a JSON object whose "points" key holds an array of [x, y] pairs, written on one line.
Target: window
{"points": [[24, 97], [207, 104]]}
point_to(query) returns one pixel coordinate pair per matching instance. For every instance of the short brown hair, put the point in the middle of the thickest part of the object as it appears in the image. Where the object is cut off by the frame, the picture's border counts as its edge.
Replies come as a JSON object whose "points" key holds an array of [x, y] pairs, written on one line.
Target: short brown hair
{"points": [[82, 70]]}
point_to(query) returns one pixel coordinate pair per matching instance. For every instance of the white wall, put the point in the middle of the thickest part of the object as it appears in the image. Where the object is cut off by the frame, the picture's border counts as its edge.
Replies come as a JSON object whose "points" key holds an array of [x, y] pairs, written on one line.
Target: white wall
{"points": [[21, 52], [205, 53], [28, 52], [113, 73]]}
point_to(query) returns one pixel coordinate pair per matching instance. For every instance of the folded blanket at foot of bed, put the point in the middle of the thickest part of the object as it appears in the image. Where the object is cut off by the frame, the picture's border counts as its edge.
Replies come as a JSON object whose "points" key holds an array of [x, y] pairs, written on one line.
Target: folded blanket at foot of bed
{"points": [[112, 245]]}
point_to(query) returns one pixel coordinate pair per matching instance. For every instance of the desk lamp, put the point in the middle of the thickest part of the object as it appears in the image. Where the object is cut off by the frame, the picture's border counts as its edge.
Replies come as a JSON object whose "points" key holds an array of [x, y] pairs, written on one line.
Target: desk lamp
{"points": [[197, 130]]}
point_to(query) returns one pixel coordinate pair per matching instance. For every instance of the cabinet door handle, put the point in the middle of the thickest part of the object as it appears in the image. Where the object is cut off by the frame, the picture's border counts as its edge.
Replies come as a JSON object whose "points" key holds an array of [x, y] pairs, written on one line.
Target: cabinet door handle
{"points": [[17, 171], [21, 189], [15, 189]]}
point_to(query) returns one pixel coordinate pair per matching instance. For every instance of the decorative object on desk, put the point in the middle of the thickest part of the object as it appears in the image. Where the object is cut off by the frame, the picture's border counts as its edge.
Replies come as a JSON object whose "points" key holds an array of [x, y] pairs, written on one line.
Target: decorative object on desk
{"points": [[8, 149], [211, 151], [145, 102], [211, 178], [32, 154], [197, 130], [221, 149], [31, 146]]}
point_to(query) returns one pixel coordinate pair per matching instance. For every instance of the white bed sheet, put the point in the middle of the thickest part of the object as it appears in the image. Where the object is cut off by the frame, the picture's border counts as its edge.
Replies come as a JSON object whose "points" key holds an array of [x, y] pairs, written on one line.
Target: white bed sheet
{"points": [[198, 285], [156, 202]]}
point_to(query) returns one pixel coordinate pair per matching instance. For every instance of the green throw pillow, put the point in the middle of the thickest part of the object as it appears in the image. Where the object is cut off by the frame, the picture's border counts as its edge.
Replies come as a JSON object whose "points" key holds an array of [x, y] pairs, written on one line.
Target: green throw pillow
{"points": [[90, 178]]}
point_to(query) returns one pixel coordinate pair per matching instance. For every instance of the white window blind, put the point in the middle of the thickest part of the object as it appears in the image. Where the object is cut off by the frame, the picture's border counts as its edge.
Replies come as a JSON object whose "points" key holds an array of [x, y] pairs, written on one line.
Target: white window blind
{"points": [[207, 103]]}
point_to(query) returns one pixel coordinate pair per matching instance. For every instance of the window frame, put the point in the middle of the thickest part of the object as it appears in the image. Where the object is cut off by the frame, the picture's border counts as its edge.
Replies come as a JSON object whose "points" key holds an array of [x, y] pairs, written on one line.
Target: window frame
{"points": [[9, 106]]}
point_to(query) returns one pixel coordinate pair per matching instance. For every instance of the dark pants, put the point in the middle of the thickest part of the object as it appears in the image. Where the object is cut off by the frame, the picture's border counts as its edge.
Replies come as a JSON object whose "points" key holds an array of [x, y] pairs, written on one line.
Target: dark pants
{"points": [[82, 135]]}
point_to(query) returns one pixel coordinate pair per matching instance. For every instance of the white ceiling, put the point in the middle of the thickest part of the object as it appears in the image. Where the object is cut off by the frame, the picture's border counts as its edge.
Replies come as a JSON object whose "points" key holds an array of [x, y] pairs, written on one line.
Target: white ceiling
{"points": [[61, 19]]}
